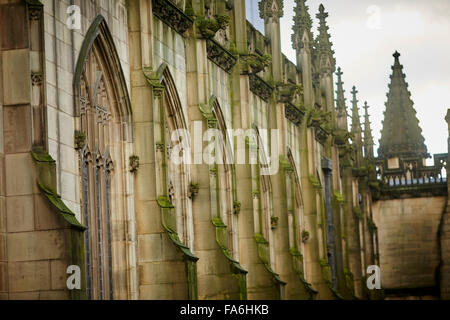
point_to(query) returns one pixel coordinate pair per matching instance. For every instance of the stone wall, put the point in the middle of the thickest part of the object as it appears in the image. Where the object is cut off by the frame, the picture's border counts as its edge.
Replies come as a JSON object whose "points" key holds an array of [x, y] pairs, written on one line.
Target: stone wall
{"points": [[408, 241], [35, 241]]}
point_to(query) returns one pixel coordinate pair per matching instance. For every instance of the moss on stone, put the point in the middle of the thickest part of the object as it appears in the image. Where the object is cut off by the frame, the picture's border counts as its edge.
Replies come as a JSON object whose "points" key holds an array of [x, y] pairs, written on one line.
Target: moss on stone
{"points": [[208, 27], [315, 182], [339, 197]]}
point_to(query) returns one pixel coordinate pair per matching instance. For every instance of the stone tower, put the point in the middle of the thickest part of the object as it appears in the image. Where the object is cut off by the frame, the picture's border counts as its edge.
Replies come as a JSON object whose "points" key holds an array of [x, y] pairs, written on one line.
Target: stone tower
{"points": [[409, 199]]}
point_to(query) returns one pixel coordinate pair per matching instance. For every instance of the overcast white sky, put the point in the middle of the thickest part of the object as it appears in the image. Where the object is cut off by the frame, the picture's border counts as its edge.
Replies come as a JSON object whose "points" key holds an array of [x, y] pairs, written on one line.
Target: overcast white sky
{"points": [[365, 34]]}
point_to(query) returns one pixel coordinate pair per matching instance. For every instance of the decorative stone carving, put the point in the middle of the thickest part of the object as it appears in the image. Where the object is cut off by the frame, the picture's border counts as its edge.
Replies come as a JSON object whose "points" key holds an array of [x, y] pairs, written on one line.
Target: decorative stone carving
{"points": [[171, 191], [270, 9], [293, 114], [259, 87], [80, 139], [35, 9], [274, 222], [213, 172], [236, 207], [169, 13], [193, 190], [305, 236], [134, 163], [211, 123], [160, 146], [220, 56], [36, 78]]}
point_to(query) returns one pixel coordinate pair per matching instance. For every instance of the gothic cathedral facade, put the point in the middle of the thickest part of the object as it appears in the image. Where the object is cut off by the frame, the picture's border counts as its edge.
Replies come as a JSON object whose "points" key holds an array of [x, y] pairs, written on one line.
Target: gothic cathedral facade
{"points": [[92, 117]]}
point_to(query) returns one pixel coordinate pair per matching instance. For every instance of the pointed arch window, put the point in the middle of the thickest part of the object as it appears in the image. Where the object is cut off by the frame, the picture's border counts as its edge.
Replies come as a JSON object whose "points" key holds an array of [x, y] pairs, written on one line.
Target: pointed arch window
{"points": [[265, 219], [297, 232], [177, 145], [226, 180], [103, 110]]}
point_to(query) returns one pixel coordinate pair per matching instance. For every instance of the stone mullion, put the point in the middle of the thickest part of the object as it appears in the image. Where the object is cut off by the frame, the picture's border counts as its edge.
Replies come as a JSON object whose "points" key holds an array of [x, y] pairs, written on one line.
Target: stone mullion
{"points": [[92, 202], [105, 219], [108, 173], [85, 209], [92, 225], [100, 223]]}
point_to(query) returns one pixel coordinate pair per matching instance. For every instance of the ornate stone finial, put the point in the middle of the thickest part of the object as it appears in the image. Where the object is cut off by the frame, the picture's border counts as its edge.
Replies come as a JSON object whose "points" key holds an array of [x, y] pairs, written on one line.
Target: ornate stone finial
{"points": [[271, 9], [401, 135], [324, 45], [340, 97], [322, 12], [354, 92], [396, 55], [302, 27]]}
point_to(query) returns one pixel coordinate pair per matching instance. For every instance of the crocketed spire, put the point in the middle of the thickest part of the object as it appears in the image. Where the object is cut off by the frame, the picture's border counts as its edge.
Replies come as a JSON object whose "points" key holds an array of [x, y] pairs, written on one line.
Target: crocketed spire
{"points": [[324, 45], [401, 135], [368, 138], [340, 98], [356, 122]]}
